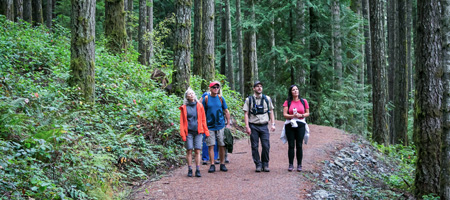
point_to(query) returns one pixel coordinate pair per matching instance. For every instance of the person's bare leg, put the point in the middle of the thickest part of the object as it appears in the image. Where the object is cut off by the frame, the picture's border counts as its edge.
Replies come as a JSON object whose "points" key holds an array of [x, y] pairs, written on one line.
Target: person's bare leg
{"points": [[189, 157], [197, 157], [222, 154], [211, 154]]}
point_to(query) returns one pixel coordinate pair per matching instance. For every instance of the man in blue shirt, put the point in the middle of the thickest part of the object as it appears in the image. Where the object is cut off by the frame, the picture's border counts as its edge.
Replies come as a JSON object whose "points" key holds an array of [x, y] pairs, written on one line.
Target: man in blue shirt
{"points": [[216, 111]]}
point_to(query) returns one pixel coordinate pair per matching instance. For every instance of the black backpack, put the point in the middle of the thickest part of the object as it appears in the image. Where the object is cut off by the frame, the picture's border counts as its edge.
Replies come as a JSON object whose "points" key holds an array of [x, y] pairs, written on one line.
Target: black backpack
{"points": [[254, 110]]}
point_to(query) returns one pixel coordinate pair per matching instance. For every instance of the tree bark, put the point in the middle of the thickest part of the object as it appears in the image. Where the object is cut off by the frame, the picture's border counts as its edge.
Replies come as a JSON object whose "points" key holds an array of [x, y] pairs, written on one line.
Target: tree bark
{"points": [[240, 47], [315, 76], [197, 68], [301, 30], [182, 52], [18, 10], [392, 50], [115, 32], [48, 14], [208, 43], [380, 126], [367, 42], [37, 12], [337, 44], [445, 159], [150, 31], [7, 9], [142, 33], [82, 57], [229, 39], [428, 98], [223, 35], [27, 10], [401, 80], [249, 51], [130, 12]]}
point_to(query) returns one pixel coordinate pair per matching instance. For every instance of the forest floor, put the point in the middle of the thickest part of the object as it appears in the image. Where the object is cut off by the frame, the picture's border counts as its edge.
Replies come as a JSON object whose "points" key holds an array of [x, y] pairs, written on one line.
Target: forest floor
{"points": [[242, 182]]}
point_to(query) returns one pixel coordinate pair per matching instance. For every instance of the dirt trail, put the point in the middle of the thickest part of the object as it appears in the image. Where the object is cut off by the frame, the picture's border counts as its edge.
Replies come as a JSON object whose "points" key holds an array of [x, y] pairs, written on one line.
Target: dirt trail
{"points": [[241, 181]]}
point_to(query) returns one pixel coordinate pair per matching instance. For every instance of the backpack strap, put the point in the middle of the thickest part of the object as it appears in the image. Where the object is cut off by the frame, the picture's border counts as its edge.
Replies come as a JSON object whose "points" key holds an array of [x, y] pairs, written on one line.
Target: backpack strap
{"points": [[301, 100], [206, 101]]}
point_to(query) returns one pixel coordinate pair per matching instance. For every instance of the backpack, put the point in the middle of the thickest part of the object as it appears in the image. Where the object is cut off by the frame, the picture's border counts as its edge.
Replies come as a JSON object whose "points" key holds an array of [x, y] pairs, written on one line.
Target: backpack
{"points": [[253, 110], [206, 101], [301, 100]]}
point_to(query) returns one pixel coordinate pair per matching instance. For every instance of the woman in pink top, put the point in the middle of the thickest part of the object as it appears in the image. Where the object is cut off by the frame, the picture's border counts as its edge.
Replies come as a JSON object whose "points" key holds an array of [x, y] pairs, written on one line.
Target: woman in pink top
{"points": [[298, 108]]}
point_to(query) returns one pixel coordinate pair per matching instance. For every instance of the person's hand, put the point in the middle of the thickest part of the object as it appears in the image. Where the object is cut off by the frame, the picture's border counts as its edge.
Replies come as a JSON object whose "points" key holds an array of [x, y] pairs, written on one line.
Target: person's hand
{"points": [[272, 128], [248, 131], [228, 125]]}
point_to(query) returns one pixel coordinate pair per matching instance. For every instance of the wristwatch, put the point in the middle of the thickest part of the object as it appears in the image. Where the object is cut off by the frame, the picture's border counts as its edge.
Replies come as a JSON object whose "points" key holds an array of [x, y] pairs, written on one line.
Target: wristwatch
{"points": [[273, 124]]}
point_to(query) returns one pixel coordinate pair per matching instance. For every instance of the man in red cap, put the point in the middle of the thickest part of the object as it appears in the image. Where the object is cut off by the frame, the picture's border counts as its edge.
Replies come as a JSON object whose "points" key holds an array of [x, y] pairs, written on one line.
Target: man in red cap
{"points": [[216, 111]]}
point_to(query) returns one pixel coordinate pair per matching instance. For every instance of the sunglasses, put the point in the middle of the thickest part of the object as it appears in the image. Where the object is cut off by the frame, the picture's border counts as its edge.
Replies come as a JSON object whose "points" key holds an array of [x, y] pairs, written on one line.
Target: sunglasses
{"points": [[215, 87]]}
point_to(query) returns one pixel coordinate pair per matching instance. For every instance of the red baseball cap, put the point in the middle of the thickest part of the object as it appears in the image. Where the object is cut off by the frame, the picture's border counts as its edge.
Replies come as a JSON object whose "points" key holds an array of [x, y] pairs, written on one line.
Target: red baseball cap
{"points": [[214, 83]]}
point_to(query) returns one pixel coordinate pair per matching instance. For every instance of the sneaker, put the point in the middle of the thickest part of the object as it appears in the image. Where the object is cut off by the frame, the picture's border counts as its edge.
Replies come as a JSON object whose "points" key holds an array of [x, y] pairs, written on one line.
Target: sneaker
{"points": [[217, 162], [190, 173], [223, 168], [299, 168], [204, 162], [258, 169], [266, 169], [291, 167], [212, 169], [227, 161], [197, 173]]}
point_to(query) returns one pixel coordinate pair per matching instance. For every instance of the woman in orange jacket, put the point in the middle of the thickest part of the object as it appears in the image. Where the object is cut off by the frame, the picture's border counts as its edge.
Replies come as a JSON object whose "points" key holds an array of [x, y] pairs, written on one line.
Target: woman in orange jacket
{"points": [[192, 126]]}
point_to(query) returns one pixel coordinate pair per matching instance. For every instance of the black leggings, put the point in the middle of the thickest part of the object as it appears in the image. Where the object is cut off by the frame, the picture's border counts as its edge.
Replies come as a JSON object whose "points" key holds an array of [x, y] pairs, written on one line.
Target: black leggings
{"points": [[295, 138]]}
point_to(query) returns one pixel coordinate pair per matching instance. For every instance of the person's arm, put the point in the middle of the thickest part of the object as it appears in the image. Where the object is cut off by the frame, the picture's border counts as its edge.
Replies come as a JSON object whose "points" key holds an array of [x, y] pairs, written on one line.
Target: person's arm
{"points": [[227, 115], [306, 114], [247, 127], [288, 116], [272, 121]]}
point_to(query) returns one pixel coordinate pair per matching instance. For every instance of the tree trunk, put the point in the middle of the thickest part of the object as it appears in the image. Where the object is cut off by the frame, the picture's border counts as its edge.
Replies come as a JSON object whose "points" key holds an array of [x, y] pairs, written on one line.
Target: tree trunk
{"points": [[18, 10], [82, 57], [182, 51], [380, 126], [445, 159], [367, 42], [223, 47], [337, 44], [401, 80], [229, 39], [315, 76], [197, 68], [240, 47], [7, 9], [301, 30], [249, 51], [130, 28], [27, 10], [37, 12], [115, 32], [410, 53], [208, 43], [392, 50], [428, 97], [48, 14], [142, 33], [150, 31], [272, 44]]}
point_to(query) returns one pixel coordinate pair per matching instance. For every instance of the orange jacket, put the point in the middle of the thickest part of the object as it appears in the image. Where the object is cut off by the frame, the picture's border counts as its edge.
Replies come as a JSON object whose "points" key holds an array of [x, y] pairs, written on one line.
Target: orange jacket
{"points": [[201, 121]]}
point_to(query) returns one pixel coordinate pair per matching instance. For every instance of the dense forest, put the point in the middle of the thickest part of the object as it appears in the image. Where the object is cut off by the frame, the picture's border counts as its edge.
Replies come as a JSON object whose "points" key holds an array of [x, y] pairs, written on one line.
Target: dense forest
{"points": [[89, 90]]}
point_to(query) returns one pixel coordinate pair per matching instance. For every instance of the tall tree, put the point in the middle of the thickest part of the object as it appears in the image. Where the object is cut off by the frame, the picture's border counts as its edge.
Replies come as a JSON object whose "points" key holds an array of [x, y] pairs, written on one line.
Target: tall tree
{"points": [[367, 41], [380, 131], [401, 80], [223, 35], [150, 31], [196, 69], [208, 42], [37, 12], [48, 13], [115, 32], [7, 9], [82, 57], [27, 10], [18, 10], [392, 51], [129, 10], [240, 48], [142, 33], [445, 160], [301, 30], [428, 98], [229, 41], [250, 49], [337, 58], [315, 49], [182, 51]]}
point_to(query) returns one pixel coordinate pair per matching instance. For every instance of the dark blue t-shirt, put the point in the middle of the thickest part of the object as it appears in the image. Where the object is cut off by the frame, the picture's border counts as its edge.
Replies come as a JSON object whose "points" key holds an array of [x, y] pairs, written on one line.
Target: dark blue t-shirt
{"points": [[214, 112]]}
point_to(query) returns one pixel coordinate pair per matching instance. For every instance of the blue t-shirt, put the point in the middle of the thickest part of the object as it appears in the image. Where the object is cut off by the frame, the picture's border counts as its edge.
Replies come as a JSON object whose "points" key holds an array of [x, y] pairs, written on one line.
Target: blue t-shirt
{"points": [[214, 112]]}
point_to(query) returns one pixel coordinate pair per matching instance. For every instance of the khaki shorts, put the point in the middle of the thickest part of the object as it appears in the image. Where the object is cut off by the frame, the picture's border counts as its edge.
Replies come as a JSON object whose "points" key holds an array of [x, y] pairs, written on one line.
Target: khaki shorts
{"points": [[215, 135]]}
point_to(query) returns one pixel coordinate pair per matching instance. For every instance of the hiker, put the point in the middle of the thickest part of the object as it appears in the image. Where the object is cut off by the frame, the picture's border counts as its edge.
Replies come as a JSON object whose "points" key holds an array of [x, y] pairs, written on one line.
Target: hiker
{"points": [[216, 111], [258, 112], [192, 128], [295, 109]]}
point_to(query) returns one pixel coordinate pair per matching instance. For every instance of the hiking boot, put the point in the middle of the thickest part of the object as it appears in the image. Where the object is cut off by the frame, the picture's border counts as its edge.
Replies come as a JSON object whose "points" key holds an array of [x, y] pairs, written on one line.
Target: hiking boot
{"points": [[190, 173], [291, 167], [212, 169], [266, 169], [197, 173], [299, 168], [204, 162], [223, 168], [258, 169]]}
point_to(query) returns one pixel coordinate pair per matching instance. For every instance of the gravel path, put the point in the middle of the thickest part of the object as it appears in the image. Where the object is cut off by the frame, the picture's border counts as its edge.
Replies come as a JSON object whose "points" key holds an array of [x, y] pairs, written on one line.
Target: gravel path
{"points": [[241, 181]]}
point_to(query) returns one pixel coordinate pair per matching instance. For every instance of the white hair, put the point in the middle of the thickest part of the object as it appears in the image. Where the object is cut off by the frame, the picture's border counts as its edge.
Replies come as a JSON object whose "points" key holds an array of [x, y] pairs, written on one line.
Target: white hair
{"points": [[186, 101]]}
